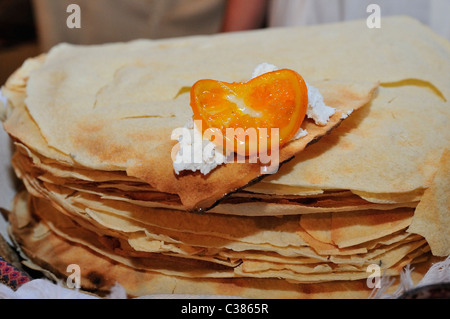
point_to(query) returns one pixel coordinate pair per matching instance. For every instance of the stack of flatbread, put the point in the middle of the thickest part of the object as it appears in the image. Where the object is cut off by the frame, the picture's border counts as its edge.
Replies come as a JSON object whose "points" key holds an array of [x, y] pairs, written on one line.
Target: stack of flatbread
{"points": [[91, 127]]}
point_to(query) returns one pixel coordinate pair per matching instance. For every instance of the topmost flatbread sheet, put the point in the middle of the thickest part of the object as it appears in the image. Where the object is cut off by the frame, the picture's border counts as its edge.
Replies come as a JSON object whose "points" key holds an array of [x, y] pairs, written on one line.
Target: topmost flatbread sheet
{"points": [[113, 107]]}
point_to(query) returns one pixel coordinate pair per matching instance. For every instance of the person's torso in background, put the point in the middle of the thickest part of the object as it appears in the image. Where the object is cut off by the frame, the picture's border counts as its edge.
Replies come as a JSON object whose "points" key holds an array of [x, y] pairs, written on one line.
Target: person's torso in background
{"points": [[307, 12], [123, 20]]}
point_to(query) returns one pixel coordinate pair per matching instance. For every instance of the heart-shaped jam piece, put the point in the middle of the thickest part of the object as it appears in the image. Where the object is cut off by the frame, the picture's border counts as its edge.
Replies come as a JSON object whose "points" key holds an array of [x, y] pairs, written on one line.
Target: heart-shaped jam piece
{"points": [[275, 101]]}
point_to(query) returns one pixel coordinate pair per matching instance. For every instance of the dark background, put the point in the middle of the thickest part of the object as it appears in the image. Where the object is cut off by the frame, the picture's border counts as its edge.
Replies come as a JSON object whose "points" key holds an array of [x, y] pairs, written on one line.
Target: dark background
{"points": [[18, 39]]}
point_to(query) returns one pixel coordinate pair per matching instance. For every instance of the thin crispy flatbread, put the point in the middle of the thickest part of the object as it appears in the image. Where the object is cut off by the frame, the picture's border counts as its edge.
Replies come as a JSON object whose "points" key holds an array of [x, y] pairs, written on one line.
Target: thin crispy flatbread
{"points": [[96, 114], [240, 203], [385, 152], [92, 128], [45, 249], [431, 218]]}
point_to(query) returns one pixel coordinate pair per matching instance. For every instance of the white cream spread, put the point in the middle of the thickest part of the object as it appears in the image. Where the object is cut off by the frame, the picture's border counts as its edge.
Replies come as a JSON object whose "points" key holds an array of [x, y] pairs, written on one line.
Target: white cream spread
{"points": [[263, 68], [317, 110], [345, 115], [208, 157], [301, 133], [205, 156]]}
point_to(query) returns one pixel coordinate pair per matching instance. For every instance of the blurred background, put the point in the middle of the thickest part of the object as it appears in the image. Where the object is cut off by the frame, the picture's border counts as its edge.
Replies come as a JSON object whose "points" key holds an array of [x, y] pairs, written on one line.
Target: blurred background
{"points": [[18, 36], [30, 27]]}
